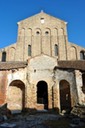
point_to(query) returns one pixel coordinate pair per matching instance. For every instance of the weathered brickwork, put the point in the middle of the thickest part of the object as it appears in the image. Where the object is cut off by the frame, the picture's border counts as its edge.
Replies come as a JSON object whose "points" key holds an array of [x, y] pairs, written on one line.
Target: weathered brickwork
{"points": [[41, 82], [3, 86]]}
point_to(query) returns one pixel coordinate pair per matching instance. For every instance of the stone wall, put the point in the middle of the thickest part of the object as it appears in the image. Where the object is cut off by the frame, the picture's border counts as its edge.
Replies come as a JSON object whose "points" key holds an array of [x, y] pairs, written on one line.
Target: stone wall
{"points": [[42, 32], [70, 78], [16, 93], [74, 51], [19, 86], [79, 84], [40, 68], [10, 52], [41, 36], [3, 86]]}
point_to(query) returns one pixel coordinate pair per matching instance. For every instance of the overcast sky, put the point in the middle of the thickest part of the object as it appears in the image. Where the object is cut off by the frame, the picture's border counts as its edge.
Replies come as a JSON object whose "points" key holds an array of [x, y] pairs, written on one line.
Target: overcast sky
{"points": [[71, 11]]}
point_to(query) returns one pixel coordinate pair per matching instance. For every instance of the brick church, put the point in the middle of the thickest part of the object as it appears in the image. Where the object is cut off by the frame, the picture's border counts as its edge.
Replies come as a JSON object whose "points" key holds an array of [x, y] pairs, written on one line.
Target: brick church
{"points": [[42, 70]]}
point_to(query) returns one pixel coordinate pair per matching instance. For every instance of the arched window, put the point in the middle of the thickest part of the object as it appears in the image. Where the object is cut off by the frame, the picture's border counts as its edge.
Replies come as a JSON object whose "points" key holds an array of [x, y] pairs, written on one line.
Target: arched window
{"points": [[46, 32], [37, 32], [3, 56], [73, 53], [56, 49], [82, 55], [29, 50]]}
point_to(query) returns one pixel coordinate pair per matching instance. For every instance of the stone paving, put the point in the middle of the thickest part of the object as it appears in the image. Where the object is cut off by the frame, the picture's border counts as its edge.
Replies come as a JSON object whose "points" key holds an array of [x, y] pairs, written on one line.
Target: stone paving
{"points": [[35, 121], [31, 121]]}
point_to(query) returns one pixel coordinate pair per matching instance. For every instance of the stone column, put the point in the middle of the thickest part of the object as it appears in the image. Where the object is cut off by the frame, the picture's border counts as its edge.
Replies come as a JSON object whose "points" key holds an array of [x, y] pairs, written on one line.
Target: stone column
{"points": [[50, 98], [78, 76], [56, 96], [62, 44]]}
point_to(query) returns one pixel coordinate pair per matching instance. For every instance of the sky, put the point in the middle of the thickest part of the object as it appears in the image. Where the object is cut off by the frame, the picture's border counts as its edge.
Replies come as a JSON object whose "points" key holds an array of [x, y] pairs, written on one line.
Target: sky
{"points": [[13, 11]]}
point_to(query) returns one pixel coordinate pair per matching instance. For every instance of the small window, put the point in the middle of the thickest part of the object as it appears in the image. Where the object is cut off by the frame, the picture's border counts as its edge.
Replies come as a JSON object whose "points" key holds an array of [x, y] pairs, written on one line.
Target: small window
{"points": [[82, 55], [56, 49], [42, 20], [46, 32], [37, 32], [3, 56], [29, 50]]}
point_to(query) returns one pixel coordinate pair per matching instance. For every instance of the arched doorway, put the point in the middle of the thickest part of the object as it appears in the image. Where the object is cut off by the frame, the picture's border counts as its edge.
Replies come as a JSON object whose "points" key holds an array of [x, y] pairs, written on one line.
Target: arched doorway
{"points": [[42, 94], [16, 96], [65, 97]]}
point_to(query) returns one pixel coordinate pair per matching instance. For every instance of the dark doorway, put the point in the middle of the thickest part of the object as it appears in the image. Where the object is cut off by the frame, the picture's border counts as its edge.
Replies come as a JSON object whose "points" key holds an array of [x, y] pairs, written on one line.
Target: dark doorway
{"points": [[42, 94], [65, 97]]}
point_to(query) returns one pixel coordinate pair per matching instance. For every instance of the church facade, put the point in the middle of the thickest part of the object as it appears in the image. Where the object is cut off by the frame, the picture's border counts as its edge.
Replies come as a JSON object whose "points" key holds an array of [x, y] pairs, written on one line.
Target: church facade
{"points": [[42, 70]]}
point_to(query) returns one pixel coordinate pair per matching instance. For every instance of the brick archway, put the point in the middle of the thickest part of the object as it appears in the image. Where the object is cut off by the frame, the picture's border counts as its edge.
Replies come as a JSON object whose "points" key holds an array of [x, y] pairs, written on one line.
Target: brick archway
{"points": [[65, 96], [16, 96], [42, 94]]}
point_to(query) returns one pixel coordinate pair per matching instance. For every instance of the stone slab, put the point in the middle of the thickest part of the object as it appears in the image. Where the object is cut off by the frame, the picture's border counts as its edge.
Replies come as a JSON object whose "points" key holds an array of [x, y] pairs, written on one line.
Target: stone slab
{"points": [[7, 125]]}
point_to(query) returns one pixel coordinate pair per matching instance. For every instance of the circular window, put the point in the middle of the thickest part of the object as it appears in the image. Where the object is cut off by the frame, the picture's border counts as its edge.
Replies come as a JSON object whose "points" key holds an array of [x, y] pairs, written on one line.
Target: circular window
{"points": [[37, 32], [46, 32]]}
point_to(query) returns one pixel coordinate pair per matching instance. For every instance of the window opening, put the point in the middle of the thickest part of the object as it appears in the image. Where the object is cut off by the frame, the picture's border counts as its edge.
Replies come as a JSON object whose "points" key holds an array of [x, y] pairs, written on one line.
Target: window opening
{"points": [[42, 20], [29, 50], [37, 32], [46, 32], [56, 50], [4, 56], [82, 55]]}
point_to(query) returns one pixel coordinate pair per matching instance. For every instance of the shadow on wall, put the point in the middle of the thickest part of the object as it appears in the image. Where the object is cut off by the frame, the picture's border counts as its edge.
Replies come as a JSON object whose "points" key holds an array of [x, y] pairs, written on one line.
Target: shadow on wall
{"points": [[4, 110]]}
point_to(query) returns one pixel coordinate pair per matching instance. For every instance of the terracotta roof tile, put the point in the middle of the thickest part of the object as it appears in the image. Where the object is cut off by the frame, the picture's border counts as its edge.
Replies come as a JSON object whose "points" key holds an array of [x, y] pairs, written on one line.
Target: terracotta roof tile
{"points": [[12, 65], [78, 64]]}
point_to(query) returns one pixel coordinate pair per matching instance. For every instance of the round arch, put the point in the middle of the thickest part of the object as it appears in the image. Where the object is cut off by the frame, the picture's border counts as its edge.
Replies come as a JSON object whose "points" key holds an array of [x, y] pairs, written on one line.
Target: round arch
{"points": [[73, 51], [4, 54], [65, 96], [82, 55], [16, 96], [42, 93]]}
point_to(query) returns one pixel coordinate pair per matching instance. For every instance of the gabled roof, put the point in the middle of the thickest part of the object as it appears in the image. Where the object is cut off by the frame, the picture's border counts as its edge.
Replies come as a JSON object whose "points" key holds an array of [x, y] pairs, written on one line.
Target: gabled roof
{"points": [[42, 13]]}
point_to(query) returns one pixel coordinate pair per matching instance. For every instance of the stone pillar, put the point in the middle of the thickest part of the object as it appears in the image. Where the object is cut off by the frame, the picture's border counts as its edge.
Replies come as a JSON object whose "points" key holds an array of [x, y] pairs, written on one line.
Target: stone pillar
{"points": [[50, 98], [62, 44], [78, 76], [34, 96], [26, 97], [56, 97], [31, 97]]}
